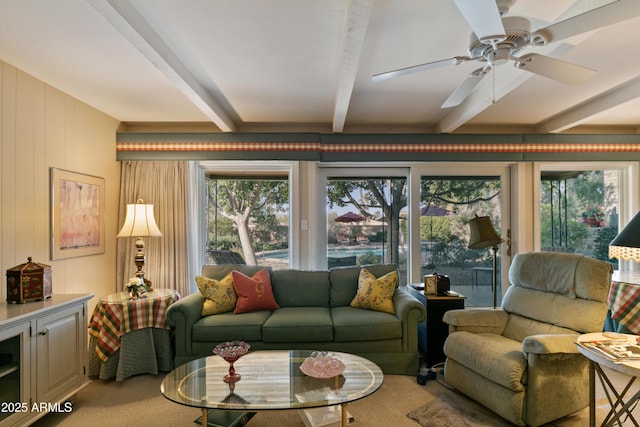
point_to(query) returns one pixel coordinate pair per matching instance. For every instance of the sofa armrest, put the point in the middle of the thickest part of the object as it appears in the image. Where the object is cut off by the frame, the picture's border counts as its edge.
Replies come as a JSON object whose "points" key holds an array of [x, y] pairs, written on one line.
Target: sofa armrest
{"points": [[476, 321], [411, 312], [182, 315], [551, 344]]}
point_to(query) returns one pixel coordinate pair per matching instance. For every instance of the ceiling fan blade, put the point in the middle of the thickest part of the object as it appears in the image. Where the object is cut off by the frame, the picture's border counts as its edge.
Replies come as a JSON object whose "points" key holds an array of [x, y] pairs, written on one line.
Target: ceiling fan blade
{"points": [[484, 18], [554, 68], [456, 60], [611, 13], [466, 87]]}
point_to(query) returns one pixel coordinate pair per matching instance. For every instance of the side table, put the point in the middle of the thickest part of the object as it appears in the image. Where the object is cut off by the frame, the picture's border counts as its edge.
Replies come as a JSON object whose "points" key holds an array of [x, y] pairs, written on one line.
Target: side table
{"points": [[619, 407], [130, 337], [433, 332]]}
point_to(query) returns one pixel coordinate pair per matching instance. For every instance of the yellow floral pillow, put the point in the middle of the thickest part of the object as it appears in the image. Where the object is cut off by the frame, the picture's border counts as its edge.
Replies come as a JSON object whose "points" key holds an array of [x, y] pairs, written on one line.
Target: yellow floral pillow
{"points": [[219, 295], [376, 293]]}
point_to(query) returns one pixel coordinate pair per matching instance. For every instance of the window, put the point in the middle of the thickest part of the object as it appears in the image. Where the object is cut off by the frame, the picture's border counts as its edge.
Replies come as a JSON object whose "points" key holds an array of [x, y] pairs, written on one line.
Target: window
{"points": [[249, 216], [447, 204], [580, 208], [364, 222], [246, 213]]}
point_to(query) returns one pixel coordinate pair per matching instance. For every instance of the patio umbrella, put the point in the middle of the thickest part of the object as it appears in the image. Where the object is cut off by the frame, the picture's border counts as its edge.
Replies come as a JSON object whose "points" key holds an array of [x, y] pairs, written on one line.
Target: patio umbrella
{"points": [[432, 210], [350, 217]]}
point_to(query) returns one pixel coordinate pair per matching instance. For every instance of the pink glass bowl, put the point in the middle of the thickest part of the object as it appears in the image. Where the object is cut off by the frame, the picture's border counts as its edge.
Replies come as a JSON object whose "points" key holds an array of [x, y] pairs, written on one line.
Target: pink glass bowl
{"points": [[322, 365], [231, 351]]}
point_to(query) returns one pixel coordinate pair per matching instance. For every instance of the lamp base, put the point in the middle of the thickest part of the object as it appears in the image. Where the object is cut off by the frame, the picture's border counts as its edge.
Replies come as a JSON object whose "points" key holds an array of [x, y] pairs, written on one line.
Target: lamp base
{"points": [[139, 262]]}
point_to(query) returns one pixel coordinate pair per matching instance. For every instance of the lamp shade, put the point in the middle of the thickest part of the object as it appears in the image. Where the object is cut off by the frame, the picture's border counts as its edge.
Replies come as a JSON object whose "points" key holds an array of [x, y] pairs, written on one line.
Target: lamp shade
{"points": [[483, 234], [139, 221], [626, 245]]}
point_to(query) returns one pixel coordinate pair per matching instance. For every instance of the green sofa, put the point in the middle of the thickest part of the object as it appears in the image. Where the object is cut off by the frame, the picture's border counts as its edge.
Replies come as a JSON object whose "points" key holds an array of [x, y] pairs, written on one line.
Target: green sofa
{"points": [[314, 314]]}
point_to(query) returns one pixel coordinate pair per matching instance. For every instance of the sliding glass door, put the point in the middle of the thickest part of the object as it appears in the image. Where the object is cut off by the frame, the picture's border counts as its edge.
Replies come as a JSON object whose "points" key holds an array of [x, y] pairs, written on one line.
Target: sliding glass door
{"points": [[364, 222]]}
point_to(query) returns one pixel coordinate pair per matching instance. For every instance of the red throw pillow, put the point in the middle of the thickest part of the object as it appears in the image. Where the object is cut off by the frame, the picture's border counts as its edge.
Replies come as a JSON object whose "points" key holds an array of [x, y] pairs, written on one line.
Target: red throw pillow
{"points": [[254, 293]]}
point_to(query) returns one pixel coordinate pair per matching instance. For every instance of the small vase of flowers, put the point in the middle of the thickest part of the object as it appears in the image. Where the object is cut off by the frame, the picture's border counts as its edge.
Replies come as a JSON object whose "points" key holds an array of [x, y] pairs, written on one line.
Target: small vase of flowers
{"points": [[136, 287]]}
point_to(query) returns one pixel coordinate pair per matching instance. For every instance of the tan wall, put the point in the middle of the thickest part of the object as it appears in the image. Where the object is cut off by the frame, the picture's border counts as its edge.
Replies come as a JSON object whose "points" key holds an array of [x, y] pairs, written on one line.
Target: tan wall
{"points": [[42, 127]]}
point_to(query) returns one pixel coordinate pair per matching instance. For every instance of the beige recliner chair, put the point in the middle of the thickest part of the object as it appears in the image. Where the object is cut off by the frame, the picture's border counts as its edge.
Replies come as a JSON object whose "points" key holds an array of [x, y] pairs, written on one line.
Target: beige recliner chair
{"points": [[520, 360]]}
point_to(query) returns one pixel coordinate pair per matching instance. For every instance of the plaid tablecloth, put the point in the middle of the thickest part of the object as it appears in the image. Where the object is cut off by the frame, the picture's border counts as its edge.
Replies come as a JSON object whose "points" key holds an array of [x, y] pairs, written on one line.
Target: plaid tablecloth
{"points": [[117, 314], [624, 299]]}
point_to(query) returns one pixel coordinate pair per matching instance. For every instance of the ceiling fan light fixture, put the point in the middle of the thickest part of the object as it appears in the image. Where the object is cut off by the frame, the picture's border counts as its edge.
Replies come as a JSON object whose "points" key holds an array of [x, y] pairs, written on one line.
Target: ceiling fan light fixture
{"points": [[499, 56]]}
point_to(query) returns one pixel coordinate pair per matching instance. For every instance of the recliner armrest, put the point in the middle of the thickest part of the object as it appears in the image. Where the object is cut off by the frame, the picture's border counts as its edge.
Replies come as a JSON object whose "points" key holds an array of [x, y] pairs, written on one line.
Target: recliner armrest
{"points": [[550, 344], [476, 320]]}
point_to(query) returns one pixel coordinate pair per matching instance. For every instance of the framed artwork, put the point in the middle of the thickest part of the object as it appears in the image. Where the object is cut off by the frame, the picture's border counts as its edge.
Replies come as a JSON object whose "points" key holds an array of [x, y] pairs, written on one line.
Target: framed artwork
{"points": [[77, 214]]}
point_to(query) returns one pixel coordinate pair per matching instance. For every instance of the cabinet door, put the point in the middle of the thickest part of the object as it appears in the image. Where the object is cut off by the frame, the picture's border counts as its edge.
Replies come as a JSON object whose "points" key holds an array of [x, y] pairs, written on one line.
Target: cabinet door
{"points": [[61, 351], [15, 382]]}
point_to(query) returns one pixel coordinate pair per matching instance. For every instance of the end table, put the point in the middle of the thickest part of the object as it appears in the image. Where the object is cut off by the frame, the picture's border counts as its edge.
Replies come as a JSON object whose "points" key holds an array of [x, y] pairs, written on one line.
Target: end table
{"points": [[129, 337], [433, 332]]}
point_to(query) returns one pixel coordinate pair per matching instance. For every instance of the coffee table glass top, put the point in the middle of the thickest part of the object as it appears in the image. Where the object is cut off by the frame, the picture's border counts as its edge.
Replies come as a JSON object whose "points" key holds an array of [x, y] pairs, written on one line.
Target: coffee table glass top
{"points": [[270, 380]]}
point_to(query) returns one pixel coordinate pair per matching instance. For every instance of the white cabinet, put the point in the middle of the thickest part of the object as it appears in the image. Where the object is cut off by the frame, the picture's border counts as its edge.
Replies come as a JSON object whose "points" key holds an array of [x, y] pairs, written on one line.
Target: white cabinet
{"points": [[43, 356], [15, 380]]}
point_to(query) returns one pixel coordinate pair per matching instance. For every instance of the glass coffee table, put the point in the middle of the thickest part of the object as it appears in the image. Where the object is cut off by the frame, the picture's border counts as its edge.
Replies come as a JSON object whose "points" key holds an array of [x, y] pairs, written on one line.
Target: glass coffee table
{"points": [[270, 380]]}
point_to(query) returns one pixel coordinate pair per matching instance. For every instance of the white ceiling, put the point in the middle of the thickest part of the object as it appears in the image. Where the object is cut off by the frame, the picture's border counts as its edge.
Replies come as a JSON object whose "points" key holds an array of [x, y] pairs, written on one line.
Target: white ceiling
{"points": [[306, 65]]}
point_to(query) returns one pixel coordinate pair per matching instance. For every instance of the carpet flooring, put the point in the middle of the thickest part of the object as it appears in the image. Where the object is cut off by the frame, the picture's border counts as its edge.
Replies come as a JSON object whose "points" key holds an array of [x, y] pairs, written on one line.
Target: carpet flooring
{"points": [[138, 401]]}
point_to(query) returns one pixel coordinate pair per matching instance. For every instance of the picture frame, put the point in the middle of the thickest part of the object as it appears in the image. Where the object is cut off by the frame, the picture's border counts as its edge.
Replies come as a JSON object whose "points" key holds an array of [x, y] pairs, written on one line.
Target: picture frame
{"points": [[77, 214]]}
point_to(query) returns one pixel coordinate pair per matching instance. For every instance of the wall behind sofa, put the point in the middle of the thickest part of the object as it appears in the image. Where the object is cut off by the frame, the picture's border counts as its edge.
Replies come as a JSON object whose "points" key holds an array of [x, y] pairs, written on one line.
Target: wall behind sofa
{"points": [[42, 127]]}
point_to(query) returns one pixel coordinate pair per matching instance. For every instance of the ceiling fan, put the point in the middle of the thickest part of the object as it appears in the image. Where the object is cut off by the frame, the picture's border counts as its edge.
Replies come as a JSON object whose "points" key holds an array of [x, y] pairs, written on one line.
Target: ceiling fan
{"points": [[498, 39]]}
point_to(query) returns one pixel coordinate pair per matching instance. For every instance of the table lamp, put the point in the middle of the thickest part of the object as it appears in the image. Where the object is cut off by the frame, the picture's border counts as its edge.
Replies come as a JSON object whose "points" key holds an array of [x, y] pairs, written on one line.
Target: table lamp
{"points": [[626, 245], [483, 235], [140, 222]]}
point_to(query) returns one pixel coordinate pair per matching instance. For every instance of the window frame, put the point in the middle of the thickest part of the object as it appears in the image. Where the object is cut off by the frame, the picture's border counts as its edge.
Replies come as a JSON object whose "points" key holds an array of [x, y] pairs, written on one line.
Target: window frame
{"points": [[345, 170], [628, 194], [503, 170], [231, 167]]}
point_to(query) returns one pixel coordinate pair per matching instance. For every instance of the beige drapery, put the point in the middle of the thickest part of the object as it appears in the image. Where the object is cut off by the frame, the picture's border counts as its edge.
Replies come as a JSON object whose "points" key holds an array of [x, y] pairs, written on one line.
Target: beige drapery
{"points": [[165, 185]]}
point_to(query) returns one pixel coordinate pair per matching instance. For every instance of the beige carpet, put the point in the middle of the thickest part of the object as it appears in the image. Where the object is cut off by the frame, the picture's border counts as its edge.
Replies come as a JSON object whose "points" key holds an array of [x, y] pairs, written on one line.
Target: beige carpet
{"points": [[138, 401]]}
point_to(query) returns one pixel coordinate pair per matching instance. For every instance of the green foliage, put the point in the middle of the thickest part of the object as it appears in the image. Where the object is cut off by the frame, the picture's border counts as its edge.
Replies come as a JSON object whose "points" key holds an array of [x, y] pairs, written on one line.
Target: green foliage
{"points": [[435, 228], [235, 204], [369, 258], [601, 244], [567, 201], [225, 243], [458, 192]]}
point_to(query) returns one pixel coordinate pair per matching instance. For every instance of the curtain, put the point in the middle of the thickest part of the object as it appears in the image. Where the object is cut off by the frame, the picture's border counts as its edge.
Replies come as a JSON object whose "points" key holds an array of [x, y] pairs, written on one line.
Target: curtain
{"points": [[164, 184]]}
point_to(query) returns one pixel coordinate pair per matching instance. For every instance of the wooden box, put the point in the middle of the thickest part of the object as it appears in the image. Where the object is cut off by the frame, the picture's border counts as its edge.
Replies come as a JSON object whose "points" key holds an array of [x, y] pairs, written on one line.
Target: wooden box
{"points": [[28, 282]]}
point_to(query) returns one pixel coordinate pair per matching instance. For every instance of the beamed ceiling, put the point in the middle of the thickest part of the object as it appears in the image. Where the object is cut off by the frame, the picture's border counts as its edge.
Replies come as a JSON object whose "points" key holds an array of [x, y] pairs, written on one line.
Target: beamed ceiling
{"points": [[307, 65]]}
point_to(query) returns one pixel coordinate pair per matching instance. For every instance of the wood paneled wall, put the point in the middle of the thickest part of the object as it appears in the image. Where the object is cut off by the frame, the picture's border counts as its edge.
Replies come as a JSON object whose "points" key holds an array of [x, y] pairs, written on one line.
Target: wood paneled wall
{"points": [[42, 127]]}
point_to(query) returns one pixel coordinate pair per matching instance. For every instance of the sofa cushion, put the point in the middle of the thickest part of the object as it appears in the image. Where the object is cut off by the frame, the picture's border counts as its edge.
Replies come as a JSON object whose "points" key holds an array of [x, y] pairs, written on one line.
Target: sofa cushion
{"points": [[298, 324], [356, 324], [375, 293], [492, 356], [344, 281], [229, 327], [254, 293], [298, 288], [220, 296]]}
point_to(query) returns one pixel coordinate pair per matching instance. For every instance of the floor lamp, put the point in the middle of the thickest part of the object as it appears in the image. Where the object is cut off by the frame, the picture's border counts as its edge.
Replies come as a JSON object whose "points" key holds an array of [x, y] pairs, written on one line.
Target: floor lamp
{"points": [[483, 235], [140, 222]]}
